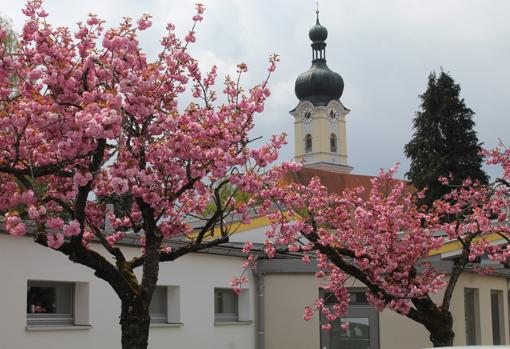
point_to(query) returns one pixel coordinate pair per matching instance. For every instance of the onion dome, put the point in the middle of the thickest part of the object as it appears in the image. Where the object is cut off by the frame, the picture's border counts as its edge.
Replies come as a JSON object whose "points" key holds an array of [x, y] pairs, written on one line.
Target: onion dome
{"points": [[319, 84], [318, 32]]}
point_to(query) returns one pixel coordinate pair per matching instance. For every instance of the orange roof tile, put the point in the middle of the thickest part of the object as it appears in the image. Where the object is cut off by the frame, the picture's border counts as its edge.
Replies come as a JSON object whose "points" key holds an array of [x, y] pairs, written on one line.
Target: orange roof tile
{"points": [[336, 182]]}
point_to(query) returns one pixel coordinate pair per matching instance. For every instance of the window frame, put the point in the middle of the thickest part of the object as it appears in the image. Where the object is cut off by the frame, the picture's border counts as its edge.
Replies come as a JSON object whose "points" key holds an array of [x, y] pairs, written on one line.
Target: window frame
{"points": [[472, 324], [160, 318], [224, 317], [52, 319], [308, 143], [355, 310], [333, 143], [171, 303], [497, 317]]}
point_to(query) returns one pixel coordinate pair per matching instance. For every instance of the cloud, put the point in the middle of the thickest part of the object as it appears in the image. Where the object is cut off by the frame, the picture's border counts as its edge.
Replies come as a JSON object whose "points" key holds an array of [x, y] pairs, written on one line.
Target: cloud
{"points": [[384, 50]]}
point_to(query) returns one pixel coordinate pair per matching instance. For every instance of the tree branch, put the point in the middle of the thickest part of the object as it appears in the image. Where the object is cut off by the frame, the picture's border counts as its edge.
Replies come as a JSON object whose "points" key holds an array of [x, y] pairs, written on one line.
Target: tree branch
{"points": [[89, 258], [457, 269]]}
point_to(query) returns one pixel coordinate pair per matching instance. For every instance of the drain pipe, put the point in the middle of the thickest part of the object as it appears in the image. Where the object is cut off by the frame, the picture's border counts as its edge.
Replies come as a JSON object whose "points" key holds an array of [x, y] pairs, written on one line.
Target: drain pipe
{"points": [[259, 278]]}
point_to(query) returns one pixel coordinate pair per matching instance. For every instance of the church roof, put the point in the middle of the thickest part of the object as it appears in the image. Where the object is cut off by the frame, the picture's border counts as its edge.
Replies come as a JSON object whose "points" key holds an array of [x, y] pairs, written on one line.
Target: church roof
{"points": [[337, 182]]}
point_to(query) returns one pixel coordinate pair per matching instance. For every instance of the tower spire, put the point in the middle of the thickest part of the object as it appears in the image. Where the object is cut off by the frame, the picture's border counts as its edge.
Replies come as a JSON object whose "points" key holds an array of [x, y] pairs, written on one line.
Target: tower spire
{"points": [[320, 135], [319, 84], [318, 35]]}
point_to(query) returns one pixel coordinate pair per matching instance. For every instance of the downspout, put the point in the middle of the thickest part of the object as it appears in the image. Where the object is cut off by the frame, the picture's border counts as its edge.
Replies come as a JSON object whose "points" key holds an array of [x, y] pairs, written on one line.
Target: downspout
{"points": [[259, 279], [507, 338]]}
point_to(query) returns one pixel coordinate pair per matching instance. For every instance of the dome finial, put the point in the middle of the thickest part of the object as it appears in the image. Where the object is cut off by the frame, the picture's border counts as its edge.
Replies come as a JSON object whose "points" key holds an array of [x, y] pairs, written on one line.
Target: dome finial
{"points": [[318, 33], [317, 11]]}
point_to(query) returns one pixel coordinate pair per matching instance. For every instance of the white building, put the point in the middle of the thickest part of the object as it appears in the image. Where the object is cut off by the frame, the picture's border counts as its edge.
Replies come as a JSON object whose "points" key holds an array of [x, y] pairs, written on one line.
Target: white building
{"points": [[86, 310]]}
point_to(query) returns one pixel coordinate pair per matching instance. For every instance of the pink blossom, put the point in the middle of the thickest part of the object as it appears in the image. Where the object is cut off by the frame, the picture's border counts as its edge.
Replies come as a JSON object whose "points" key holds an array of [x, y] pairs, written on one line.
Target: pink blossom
{"points": [[35, 213], [15, 226], [294, 248], [190, 37], [72, 229], [56, 240], [236, 283], [247, 247], [114, 238], [166, 249], [326, 327], [308, 313], [81, 179], [144, 22], [92, 20], [120, 185], [55, 223]]}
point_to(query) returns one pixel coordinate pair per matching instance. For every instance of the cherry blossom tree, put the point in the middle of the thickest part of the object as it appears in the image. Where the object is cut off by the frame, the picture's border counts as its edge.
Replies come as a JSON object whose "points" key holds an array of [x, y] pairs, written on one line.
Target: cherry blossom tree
{"points": [[89, 116], [384, 241]]}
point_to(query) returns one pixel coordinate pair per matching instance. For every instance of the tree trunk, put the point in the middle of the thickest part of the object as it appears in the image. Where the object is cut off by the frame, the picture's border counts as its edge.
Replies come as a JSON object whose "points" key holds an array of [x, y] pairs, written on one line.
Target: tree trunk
{"points": [[135, 322], [441, 330], [437, 320]]}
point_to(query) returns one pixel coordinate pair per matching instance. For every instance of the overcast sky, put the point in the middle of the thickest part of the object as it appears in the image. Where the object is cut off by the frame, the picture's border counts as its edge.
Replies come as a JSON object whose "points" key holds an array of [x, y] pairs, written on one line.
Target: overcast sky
{"points": [[384, 50]]}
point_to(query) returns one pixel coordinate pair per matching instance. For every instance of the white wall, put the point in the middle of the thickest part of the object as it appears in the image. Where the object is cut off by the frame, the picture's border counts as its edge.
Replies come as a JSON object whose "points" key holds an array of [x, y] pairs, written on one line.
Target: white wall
{"points": [[255, 235], [197, 275]]}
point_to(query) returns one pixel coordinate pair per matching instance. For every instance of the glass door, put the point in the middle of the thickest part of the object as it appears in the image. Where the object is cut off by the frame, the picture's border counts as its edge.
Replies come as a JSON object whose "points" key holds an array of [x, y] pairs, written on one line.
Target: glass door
{"points": [[363, 331]]}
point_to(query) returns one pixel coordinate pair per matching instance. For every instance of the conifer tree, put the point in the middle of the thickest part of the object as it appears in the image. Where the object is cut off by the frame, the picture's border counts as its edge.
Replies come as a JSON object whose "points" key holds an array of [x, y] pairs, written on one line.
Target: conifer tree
{"points": [[444, 140]]}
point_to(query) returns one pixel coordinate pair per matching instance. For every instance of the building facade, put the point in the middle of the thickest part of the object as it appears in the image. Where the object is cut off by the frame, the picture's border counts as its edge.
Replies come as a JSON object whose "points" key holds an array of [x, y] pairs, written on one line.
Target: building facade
{"points": [[48, 302], [479, 307]]}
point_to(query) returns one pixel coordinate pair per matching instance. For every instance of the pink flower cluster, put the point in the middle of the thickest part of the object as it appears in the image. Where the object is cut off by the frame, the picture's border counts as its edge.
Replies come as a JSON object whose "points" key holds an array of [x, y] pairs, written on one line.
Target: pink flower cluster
{"points": [[15, 226], [386, 238], [90, 119]]}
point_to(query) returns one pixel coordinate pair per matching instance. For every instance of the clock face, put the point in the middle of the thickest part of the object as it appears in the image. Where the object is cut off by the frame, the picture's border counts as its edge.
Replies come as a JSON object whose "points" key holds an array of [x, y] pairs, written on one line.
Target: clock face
{"points": [[307, 114], [333, 114]]}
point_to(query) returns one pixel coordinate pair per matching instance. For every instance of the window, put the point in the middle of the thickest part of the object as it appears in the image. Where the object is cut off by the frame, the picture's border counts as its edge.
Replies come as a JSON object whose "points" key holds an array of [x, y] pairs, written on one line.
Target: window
{"points": [[471, 315], [358, 297], [308, 143], [332, 143], [363, 330], [165, 305], [50, 303], [158, 307], [226, 305], [498, 322]]}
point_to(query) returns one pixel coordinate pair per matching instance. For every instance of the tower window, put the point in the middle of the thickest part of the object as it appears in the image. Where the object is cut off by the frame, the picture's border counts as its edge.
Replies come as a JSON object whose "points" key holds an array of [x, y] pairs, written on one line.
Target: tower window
{"points": [[308, 143], [332, 143]]}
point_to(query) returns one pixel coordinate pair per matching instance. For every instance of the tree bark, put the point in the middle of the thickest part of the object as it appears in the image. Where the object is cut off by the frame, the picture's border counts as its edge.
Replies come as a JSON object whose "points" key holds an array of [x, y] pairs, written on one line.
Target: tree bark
{"points": [[441, 330], [135, 322], [437, 320]]}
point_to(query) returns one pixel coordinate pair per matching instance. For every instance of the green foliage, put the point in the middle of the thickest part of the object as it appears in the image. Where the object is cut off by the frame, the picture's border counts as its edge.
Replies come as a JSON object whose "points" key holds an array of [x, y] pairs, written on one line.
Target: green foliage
{"points": [[11, 41], [444, 141], [226, 193]]}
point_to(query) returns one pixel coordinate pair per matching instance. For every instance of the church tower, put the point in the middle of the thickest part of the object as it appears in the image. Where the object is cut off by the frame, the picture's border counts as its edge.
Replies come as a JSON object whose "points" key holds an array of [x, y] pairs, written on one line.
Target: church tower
{"points": [[319, 118]]}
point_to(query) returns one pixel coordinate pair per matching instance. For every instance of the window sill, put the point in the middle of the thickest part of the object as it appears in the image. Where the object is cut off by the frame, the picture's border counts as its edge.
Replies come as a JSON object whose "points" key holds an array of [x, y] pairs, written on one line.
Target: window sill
{"points": [[230, 323], [170, 324], [57, 328]]}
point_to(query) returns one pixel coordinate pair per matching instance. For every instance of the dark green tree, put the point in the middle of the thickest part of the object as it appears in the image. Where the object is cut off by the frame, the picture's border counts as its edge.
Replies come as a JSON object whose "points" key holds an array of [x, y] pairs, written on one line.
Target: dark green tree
{"points": [[444, 140]]}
